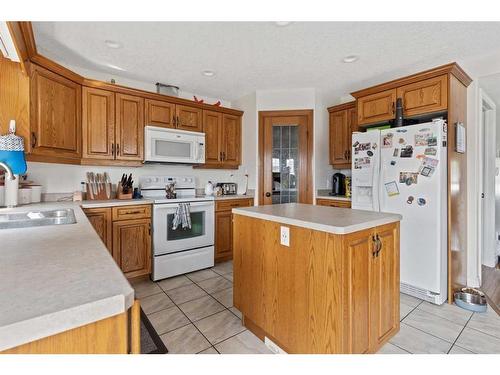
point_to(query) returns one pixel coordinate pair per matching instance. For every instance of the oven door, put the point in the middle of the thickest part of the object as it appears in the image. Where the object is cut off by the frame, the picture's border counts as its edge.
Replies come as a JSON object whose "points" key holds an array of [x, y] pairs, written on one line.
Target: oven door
{"points": [[167, 240]]}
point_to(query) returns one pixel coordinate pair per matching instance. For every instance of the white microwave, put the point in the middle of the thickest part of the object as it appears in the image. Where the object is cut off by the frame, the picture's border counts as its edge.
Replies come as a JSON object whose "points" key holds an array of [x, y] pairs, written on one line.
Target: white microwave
{"points": [[163, 145]]}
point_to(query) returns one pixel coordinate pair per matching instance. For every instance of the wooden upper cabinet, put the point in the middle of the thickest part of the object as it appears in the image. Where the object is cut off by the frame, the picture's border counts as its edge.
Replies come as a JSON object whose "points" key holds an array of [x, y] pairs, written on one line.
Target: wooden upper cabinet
{"points": [[188, 118], [212, 124], [339, 133], [129, 127], [132, 246], [430, 95], [98, 123], [160, 113], [231, 140], [352, 117], [377, 107], [55, 115]]}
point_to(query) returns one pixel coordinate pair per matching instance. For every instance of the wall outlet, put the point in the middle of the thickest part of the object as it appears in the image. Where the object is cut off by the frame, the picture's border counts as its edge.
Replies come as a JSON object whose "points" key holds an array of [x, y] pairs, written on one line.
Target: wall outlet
{"points": [[285, 236]]}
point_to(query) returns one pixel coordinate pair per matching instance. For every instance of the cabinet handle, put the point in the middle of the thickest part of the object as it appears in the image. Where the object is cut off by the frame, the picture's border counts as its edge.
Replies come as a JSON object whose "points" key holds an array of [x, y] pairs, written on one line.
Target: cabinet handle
{"points": [[374, 240], [117, 149], [173, 121], [178, 122], [220, 155], [33, 139], [379, 247], [223, 156], [113, 149], [133, 212], [393, 108]]}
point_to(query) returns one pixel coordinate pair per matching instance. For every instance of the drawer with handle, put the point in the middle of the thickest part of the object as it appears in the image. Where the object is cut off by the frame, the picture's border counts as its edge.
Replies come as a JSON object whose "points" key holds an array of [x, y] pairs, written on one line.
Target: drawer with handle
{"points": [[142, 211], [228, 204]]}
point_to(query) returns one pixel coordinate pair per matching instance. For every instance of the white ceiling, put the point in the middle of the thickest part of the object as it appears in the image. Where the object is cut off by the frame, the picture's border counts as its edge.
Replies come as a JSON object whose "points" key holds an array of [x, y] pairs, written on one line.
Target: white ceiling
{"points": [[250, 56]]}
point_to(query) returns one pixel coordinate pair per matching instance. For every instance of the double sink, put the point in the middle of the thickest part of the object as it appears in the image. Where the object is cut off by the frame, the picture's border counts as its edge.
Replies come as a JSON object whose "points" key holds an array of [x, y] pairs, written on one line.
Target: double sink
{"points": [[37, 218]]}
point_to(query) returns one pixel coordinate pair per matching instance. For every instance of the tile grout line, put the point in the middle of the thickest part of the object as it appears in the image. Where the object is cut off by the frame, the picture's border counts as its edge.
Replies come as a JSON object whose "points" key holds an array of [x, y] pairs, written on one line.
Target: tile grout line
{"points": [[442, 317], [388, 342], [190, 322], [456, 339], [412, 310]]}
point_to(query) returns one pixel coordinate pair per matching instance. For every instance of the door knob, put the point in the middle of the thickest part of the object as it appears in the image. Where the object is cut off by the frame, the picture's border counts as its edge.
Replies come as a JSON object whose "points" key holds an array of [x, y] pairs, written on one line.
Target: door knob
{"points": [[268, 194]]}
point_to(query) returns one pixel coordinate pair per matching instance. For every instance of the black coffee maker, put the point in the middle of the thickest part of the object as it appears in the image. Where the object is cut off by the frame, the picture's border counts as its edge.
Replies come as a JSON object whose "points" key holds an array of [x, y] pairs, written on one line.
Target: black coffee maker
{"points": [[338, 184]]}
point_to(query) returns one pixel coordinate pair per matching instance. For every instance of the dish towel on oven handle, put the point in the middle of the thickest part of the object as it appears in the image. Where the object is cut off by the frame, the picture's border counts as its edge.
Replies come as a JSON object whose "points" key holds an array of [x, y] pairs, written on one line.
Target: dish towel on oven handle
{"points": [[182, 216]]}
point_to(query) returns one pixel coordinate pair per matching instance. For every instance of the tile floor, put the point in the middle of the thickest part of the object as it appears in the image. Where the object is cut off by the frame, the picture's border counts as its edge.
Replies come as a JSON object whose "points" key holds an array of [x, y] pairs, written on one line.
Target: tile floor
{"points": [[194, 313]]}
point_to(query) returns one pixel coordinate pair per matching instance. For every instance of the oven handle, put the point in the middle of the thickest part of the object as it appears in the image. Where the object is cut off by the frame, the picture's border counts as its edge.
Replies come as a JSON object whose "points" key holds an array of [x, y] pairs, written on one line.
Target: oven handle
{"points": [[192, 204]]}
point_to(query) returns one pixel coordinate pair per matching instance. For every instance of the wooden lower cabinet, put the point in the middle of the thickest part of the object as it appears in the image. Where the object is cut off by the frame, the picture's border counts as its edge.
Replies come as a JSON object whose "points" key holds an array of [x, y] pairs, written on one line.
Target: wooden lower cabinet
{"points": [[126, 232], [119, 334], [325, 293], [100, 218], [132, 246], [224, 226], [333, 203]]}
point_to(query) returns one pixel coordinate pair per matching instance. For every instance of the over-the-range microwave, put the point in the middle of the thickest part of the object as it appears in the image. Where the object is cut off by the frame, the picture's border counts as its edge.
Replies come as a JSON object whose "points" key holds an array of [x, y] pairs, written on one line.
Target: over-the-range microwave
{"points": [[163, 145]]}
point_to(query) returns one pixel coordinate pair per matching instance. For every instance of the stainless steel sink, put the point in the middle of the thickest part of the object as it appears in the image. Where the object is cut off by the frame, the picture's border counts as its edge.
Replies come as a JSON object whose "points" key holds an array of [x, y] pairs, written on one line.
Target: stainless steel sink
{"points": [[37, 218]]}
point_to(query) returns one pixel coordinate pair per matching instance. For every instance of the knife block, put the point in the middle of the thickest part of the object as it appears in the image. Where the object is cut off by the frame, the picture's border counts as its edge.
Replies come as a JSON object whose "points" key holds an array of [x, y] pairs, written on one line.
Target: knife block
{"points": [[120, 194], [100, 193]]}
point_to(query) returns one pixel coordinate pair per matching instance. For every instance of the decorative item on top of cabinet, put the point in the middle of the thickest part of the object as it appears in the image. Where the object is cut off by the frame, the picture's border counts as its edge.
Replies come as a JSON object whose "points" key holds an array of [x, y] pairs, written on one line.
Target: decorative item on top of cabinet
{"points": [[222, 140], [224, 226], [342, 124], [55, 117], [333, 203]]}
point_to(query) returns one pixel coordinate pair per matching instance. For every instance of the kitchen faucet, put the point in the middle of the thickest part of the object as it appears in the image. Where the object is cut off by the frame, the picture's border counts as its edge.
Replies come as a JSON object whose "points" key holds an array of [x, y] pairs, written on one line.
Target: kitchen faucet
{"points": [[8, 171]]}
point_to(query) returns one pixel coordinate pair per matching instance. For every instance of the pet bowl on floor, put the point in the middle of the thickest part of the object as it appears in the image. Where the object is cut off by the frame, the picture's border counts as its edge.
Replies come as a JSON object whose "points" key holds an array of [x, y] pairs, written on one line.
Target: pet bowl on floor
{"points": [[471, 299]]}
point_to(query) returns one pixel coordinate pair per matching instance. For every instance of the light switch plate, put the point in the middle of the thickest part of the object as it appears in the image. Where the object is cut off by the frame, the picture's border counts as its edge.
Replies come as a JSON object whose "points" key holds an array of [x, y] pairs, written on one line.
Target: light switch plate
{"points": [[285, 236]]}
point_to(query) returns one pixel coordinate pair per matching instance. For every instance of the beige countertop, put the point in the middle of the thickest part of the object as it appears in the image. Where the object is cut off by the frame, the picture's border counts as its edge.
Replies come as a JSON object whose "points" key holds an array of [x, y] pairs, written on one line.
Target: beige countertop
{"points": [[326, 219], [333, 197], [55, 278]]}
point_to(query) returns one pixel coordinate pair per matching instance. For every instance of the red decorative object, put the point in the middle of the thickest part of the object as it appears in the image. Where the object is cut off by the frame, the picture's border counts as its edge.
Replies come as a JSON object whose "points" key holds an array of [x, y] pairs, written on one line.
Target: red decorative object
{"points": [[217, 104], [197, 100]]}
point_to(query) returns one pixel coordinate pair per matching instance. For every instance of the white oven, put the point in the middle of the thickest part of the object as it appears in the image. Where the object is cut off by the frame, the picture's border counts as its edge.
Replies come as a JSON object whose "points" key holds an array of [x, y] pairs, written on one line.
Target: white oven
{"points": [[164, 145], [179, 251], [201, 234]]}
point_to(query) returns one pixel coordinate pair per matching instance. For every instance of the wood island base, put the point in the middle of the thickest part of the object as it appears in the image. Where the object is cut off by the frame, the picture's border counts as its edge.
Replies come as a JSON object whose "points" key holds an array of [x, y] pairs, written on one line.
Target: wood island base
{"points": [[325, 293]]}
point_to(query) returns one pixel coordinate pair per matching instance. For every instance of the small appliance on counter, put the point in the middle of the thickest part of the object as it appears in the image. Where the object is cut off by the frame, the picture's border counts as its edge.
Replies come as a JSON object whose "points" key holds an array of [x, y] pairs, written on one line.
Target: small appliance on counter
{"points": [[338, 185], [228, 188]]}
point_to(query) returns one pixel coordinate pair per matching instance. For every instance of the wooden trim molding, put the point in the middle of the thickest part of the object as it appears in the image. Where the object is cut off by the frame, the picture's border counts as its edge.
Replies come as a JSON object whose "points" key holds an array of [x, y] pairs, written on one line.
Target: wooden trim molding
{"points": [[452, 68], [310, 145], [341, 107]]}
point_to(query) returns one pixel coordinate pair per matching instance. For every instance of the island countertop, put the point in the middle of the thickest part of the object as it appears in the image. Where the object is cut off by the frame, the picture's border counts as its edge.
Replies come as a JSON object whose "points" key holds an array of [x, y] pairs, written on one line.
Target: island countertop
{"points": [[326, 219], [55, 278]]}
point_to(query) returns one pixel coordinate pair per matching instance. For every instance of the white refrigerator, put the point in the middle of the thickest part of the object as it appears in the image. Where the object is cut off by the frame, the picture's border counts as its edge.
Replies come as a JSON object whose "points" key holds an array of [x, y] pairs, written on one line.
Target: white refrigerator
{"points": [[404, 170]]}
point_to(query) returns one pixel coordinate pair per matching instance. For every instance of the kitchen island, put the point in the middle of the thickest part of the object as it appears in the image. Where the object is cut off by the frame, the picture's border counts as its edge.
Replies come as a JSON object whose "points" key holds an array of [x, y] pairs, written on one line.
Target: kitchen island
{"points": [[316, 279]]}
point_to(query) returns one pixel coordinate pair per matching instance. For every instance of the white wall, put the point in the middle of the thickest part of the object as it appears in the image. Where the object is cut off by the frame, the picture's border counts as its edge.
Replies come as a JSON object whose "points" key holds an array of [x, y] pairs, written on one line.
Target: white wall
{"points": [[65, 178]]}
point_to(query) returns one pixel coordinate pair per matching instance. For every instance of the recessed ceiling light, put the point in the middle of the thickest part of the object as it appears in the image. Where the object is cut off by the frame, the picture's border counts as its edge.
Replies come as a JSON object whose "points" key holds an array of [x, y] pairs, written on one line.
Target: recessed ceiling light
{"points": [[113, 44], [208, 73], [115, 67], [350, 59], [282, 23]]}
